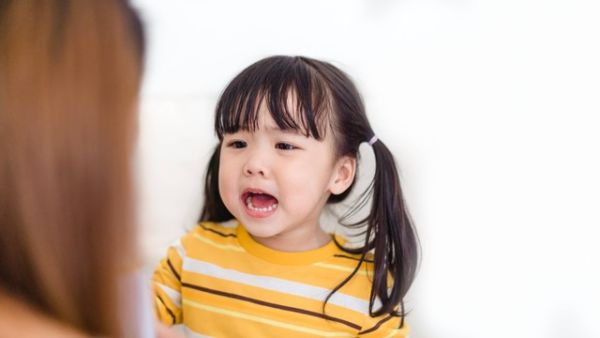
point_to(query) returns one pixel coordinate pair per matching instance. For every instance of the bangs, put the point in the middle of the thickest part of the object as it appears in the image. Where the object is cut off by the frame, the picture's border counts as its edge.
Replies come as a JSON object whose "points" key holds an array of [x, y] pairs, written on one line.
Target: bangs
{"points": [[293, 91]]}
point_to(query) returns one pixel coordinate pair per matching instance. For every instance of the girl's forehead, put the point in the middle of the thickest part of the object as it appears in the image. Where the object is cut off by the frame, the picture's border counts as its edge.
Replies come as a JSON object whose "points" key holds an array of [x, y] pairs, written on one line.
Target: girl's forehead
{"points": [[265, 121], [283, 112], [265, 118]]}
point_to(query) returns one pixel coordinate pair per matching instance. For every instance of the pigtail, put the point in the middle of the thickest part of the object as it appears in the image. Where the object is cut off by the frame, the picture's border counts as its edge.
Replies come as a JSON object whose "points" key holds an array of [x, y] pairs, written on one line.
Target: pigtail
{"points": [[389, 234], [214, 209], [392, 236]]}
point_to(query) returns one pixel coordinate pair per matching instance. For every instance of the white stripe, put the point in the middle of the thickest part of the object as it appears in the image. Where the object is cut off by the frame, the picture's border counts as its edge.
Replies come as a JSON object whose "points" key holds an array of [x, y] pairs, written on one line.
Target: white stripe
{"points": [[217, 245], [174, 295], [277, 285], [179, 247], [191, 334]]}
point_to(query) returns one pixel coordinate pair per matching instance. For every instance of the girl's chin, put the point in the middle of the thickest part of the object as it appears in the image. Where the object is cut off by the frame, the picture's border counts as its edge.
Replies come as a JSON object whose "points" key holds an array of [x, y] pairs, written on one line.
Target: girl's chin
{"points": [[261, 233]]}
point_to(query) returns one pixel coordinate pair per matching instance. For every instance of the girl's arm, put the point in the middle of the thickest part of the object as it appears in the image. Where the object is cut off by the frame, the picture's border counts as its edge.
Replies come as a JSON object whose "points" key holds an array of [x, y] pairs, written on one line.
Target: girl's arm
{"points": [[166, 286]]}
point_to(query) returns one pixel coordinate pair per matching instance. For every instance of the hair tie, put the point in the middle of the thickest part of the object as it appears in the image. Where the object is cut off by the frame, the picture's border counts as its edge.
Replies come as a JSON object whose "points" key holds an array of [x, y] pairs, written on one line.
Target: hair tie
{"points": [[373, 140]]}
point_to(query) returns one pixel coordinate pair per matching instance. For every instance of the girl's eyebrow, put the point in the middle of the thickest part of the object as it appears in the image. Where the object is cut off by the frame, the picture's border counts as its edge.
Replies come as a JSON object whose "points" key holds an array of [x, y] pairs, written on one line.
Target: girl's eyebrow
{"points": [[291, 131]]}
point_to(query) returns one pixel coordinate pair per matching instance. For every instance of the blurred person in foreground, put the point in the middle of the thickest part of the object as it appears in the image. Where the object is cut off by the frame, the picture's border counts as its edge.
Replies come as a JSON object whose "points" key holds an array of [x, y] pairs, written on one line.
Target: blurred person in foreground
{"points": [[69, 80]]}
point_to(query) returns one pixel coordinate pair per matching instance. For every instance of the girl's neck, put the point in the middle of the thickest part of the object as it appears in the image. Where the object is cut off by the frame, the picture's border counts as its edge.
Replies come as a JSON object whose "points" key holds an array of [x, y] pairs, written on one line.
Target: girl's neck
{"points": [[296, 240]]}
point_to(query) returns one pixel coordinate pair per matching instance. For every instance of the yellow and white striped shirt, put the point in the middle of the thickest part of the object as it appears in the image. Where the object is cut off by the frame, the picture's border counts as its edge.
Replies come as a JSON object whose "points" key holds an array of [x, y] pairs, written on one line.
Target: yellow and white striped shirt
{"points": [[219, 282]]}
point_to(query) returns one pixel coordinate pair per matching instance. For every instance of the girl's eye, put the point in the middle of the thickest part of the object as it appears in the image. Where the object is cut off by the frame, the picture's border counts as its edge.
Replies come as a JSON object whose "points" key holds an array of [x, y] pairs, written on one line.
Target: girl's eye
{"points": [[237, 144], [285, 146]]}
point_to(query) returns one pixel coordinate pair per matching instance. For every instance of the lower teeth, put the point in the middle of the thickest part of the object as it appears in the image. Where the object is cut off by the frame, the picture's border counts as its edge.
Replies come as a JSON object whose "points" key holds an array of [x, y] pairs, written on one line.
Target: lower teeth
{"points": [[253, 208]]}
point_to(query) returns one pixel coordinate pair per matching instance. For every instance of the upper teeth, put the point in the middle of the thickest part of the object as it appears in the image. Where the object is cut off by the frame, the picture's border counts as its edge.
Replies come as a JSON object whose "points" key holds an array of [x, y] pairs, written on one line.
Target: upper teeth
{"points": [[253, 208]]}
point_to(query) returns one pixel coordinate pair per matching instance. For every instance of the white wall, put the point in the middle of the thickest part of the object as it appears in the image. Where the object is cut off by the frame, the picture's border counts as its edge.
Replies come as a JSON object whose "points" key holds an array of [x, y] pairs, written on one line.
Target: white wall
{"points": [[491, 108]]}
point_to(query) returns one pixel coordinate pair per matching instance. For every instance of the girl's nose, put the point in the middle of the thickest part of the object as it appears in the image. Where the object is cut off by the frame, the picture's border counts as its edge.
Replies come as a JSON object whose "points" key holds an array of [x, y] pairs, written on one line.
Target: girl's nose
{"points": [[255, 166], [250, 171]]}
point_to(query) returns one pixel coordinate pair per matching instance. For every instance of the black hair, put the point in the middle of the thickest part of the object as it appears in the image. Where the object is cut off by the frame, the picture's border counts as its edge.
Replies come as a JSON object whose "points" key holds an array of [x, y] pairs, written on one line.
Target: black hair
{"points": [[326, 100]]}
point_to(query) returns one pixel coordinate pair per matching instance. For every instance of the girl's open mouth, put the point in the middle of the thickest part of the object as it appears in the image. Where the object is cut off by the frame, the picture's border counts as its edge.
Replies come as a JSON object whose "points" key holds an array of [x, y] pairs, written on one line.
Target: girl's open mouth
{"points": [[259, 204]]}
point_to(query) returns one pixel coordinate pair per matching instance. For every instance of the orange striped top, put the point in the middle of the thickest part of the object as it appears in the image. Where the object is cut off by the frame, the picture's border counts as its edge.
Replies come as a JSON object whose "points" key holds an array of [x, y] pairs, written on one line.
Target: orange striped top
{"points": [[218, 282]]}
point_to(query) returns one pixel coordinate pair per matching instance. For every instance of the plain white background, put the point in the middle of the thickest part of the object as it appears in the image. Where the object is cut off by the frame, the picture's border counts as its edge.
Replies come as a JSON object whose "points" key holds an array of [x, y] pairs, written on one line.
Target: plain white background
{"points": [[490, 107]]}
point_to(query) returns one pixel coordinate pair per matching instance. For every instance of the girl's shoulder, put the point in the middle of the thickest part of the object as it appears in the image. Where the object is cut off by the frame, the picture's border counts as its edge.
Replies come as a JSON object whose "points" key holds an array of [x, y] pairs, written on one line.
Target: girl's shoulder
{"points": [[345, 259], [225, 229], [212, 234], [347, 248]]}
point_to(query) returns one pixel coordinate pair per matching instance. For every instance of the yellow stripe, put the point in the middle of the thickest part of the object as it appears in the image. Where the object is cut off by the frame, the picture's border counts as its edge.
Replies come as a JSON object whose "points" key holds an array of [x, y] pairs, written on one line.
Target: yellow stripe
{"points": [[266, 321], [341, 268], [216, 245], [393, 333]]}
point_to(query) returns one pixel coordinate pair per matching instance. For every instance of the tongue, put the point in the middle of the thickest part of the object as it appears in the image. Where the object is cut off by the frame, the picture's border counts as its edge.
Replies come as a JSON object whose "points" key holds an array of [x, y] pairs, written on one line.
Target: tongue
{"points": [[263, 200]]}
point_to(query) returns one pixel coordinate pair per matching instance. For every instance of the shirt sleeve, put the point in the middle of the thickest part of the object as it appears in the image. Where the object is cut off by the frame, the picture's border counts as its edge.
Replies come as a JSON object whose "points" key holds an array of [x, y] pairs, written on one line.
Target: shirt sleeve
{"points": [[386, 326], [166, 286]]}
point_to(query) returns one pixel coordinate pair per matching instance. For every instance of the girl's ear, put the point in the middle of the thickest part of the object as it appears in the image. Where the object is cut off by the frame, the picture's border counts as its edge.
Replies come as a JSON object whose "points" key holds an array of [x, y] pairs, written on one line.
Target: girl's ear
{"points": [[343, 176]]}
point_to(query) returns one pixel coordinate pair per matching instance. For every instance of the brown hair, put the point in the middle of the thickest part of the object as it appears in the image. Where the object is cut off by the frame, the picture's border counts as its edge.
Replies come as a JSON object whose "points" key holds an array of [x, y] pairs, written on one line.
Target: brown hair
{"points": [[69, 79]]}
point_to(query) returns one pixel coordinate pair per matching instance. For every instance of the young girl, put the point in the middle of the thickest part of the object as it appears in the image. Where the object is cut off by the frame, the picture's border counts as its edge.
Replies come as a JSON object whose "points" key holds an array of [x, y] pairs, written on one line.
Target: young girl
{"points": [[289, 131]]}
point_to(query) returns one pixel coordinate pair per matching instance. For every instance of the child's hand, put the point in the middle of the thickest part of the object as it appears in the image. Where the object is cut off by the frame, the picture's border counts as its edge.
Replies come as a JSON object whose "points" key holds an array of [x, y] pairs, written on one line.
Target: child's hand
{"points": [[163, 331]]}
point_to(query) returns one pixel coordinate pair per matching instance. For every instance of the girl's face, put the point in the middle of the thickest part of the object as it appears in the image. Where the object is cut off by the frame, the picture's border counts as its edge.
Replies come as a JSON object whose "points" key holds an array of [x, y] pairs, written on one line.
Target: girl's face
{"points": [[276, 182]]}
